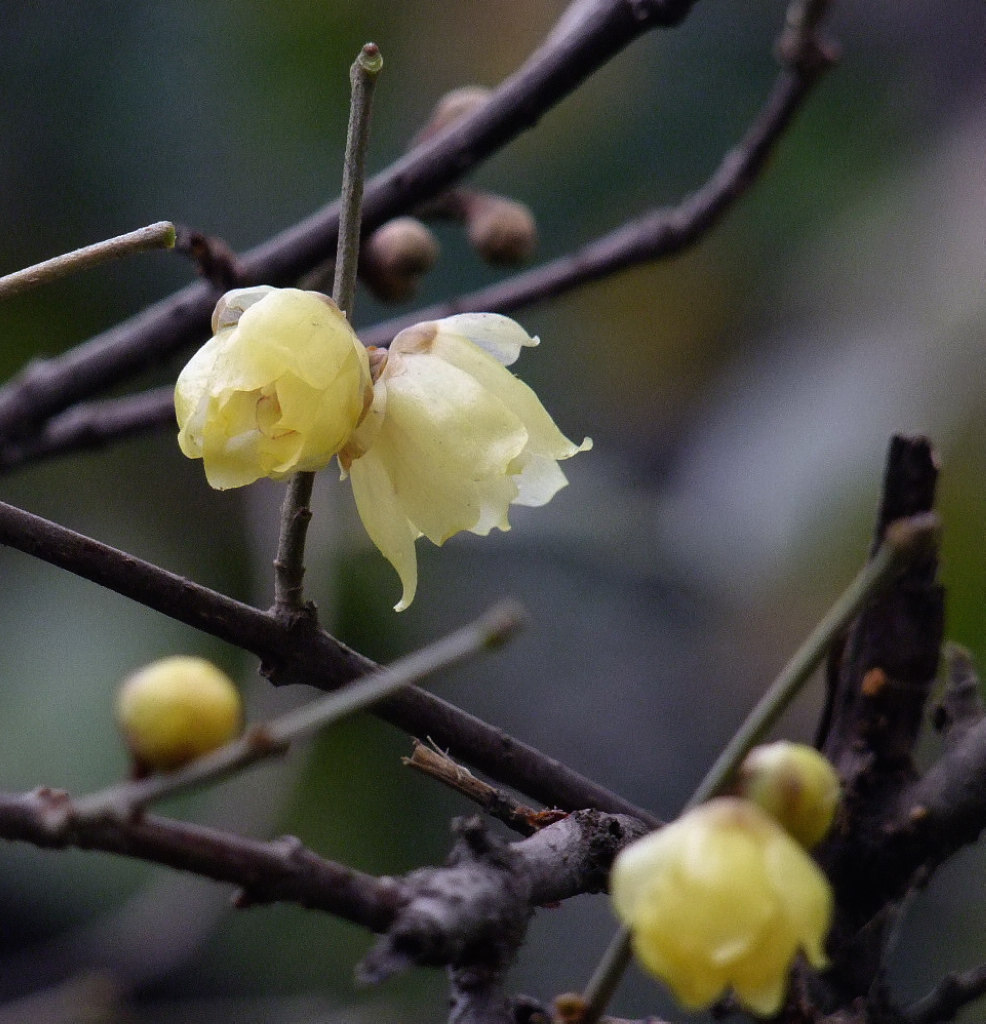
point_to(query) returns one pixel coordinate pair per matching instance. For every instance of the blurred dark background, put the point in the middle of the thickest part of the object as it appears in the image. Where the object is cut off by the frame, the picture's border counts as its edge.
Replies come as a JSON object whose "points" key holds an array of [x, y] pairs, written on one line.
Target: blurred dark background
{"points": [[741, 398]]}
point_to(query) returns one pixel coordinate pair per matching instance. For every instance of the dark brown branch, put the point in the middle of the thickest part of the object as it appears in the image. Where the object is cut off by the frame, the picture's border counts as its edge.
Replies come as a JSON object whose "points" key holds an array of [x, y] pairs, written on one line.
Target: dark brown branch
{"points": [[656, 235], [552, 72], [945, 1001], [90, 425], [300, 652], [891, 655], [934, 816], [471, 913], [268, 872], [876, 708], [429, 760]]}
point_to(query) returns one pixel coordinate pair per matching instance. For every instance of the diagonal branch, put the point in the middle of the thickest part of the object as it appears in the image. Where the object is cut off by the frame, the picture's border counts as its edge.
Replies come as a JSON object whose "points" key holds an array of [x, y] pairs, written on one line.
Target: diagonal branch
{"points": [[549, 75], [268, 872], [653, 236], [299, 652]]}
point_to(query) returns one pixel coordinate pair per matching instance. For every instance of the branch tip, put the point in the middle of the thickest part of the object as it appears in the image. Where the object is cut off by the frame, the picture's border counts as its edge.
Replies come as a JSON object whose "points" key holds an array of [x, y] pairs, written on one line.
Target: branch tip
{"points": [[370, 60]]}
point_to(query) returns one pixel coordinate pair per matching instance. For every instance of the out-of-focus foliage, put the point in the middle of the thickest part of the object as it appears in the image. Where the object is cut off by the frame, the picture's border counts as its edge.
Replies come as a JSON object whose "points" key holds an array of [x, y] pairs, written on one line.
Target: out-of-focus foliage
{"points": [[741, 398]]}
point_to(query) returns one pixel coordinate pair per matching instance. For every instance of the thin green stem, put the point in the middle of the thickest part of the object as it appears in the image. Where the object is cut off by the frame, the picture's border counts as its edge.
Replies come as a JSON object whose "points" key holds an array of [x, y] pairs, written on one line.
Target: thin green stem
{"points": [[155, 236], [273, 738], [289, 564], [904, 540]]}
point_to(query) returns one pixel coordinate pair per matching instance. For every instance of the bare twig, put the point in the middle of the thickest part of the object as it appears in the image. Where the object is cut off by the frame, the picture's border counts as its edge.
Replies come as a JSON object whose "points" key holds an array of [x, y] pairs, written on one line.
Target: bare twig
{"points": [[155, 236], [299, 652], [655, 235], [432, 916], [280, 870], [430, 761], [947, 998]]}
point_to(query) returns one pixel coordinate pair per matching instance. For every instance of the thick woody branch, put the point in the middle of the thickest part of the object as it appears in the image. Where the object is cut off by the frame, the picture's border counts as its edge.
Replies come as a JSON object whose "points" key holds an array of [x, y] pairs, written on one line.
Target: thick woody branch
{"points": [[653, 236], [473, 912], [469, 914], [298, 651], [879, 686], [551, 73]]}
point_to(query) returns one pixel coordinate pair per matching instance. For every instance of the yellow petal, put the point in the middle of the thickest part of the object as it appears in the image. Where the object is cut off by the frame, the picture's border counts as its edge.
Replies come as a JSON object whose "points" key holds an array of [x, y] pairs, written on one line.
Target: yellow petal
{"points": [[447, 443], [385, 521], [499, 336]]}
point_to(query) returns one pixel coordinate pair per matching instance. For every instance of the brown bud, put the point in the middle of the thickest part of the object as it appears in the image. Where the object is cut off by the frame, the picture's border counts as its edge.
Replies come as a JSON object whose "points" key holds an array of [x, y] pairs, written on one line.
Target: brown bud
{"points": [[501, 230], [395, 256], [452, 107]]}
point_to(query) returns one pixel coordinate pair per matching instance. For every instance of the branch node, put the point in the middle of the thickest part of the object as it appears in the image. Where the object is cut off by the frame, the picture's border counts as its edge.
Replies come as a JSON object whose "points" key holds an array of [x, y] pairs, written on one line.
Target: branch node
{"points": [[213, 258]]}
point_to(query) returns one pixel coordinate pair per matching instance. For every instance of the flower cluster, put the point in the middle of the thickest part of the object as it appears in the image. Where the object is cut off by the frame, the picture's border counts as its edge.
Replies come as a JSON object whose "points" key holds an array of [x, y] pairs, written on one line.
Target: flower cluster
{"points": [[277, 389], [722, 898], [443, 438]]}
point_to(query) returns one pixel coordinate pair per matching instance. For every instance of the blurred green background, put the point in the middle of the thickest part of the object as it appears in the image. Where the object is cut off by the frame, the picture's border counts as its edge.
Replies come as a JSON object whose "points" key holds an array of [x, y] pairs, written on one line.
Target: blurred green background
{"points": [[741, 398]]}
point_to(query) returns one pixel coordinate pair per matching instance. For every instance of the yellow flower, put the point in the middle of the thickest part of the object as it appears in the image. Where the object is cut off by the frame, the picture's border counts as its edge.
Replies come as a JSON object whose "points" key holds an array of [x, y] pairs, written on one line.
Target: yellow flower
{"points": [[795, 785], [451, 440], [175, 710], [720, 898], [279, 388]]}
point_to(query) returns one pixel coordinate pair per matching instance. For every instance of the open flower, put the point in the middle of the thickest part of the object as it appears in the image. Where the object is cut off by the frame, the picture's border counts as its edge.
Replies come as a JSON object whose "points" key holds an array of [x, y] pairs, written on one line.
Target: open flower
{"points": [[452, 439], [723, 897], [279, 388]]}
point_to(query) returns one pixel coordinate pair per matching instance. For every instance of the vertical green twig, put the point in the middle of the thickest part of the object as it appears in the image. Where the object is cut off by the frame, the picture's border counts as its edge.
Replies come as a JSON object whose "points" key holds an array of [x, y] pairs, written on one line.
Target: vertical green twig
{"points": [[903, 541], [289, 563]]}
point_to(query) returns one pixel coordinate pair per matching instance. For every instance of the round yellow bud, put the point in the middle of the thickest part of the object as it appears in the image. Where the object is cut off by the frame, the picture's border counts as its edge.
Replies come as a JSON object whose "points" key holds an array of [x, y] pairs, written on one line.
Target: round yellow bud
{"points": [[175, 710], [794, 784], [722, 898]]}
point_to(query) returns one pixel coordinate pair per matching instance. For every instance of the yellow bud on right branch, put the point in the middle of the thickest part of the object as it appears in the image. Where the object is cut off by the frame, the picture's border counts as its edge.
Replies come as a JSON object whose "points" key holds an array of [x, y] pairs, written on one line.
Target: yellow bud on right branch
{"points": [[794, 784]]}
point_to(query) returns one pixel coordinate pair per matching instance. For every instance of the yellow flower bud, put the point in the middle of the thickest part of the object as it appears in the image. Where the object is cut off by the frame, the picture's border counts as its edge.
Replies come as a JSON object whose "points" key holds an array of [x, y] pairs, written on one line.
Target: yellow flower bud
{"points": [[794, 784], [175, 710], [722, 898], [452, 439], [279, 388]]}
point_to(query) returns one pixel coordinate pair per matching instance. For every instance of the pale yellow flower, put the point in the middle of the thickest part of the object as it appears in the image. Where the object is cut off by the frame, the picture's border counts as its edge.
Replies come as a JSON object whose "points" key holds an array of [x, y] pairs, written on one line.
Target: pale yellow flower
{"points": [[279, 388], [723, 898], [452, 439], [177, 709]]}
